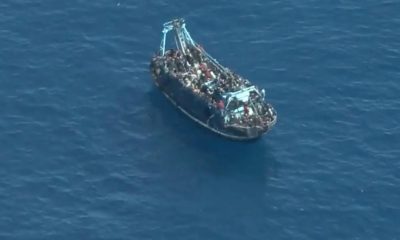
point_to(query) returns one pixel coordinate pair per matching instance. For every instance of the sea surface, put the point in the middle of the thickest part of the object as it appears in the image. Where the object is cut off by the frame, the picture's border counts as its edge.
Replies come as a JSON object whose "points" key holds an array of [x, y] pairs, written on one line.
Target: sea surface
{"points": [[90, 149]]}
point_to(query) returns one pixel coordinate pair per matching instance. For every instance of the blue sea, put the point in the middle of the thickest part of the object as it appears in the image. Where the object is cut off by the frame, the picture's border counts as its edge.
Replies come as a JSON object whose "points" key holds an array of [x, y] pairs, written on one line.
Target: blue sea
{"points": [[91, 149]]}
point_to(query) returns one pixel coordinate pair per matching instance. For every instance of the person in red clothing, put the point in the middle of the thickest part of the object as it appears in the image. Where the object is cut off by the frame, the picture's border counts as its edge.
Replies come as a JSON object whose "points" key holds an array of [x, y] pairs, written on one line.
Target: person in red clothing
{"points": [[221, 107], [246, 109]]}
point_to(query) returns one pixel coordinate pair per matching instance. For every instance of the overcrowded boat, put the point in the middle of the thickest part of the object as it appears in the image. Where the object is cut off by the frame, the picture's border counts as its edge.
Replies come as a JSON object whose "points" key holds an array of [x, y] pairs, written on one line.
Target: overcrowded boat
{"points": [[207, 92]]}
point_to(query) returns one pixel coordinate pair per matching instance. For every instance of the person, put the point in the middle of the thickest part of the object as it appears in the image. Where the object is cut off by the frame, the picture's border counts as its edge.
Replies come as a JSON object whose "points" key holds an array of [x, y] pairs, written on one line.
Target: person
{"points": [[246, 109], [189, 59], [207, 74], [220, 106], [235, 103]]}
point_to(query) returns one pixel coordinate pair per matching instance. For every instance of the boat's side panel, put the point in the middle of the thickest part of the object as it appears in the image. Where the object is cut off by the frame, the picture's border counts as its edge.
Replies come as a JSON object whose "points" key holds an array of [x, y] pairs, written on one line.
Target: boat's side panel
{"points": [[192, 103]]}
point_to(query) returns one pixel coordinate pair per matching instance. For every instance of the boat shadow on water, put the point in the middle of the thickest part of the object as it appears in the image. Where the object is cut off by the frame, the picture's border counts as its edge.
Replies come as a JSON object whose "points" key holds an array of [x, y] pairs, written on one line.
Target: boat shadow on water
{"points": [[220, 154]]}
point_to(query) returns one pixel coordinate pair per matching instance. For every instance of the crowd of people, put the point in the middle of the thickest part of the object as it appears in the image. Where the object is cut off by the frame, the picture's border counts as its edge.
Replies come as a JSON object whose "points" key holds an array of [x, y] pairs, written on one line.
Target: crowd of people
{"points": [[260, 113], [209, 81], [197, 72]]}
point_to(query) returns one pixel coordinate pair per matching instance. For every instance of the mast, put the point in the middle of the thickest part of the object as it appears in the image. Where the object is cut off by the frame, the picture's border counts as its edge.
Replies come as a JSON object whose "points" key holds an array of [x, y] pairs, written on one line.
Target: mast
{"points": [[182, 36]]}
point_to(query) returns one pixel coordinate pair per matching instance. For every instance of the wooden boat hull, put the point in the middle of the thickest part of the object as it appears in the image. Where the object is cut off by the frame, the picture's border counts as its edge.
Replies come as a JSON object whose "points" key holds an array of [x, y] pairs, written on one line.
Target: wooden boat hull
{"points": [[199, 110]]}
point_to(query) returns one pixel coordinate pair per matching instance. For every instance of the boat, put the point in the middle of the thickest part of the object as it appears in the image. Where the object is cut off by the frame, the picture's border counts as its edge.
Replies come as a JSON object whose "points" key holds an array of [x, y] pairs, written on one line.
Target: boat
{"points": [[210, 94]]}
